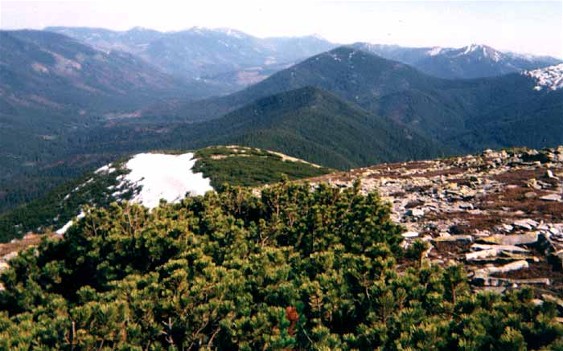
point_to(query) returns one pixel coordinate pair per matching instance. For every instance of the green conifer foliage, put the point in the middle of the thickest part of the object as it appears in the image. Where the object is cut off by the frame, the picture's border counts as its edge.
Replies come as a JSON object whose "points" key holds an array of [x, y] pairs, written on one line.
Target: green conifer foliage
{"points": [[294, 268]]}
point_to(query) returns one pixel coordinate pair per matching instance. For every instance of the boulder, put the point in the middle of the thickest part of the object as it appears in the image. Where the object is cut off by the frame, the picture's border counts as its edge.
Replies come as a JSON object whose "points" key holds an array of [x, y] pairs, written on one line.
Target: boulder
{"points": [[517, 239], [513, 266]]}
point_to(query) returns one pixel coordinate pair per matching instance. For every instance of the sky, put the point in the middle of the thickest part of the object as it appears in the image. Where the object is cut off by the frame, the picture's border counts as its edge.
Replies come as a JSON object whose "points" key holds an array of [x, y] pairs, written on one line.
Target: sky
{"points": [[534, 27]]}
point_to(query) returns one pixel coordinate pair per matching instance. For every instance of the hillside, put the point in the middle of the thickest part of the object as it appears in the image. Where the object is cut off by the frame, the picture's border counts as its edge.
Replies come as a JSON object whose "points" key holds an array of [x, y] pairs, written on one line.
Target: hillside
{"points": [[51, 87], [317, 126], [465, 115], [307, 123], [148, 177], [48, 70], [350, 74], [309, 266]]}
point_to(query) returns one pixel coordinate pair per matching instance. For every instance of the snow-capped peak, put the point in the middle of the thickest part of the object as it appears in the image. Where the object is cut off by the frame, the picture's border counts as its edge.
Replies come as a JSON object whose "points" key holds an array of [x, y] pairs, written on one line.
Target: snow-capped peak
{"points": [[435, 51], [471, 48], [481, 51], [231, 32], [548, 77]]}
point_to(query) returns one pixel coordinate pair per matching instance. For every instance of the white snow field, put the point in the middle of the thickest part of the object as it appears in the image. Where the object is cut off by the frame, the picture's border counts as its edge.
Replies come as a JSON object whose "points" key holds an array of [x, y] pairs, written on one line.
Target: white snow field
{"points": [[549, 77], [167, 177]]}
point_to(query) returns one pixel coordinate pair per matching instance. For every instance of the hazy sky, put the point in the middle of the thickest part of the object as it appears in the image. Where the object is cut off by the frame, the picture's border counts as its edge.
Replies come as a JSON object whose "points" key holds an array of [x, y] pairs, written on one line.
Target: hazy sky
{"points": [[521, 26]]}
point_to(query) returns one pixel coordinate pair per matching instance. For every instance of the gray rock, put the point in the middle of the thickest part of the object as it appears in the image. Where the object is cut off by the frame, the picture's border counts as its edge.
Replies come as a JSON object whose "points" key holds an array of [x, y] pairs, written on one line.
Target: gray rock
{"points": [[551, 197], [513, 266], [516, 239], [504, 228], [506, 248], [549, 174], [526, 224], [415, 212], [454, 238], [466, 206], [410, 234]]}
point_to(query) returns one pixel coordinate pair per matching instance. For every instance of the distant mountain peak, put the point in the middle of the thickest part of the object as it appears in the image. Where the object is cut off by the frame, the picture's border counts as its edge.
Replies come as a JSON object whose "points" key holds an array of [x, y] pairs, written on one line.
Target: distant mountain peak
{"points": [[436, 50], [342, 53], [550, 77], [481, 51], [141, 29], [232, 32]]}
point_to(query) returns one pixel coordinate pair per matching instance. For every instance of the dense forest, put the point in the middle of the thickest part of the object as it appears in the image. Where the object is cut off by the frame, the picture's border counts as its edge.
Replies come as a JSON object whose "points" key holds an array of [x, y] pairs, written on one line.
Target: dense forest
{"points": [[294, 268]]}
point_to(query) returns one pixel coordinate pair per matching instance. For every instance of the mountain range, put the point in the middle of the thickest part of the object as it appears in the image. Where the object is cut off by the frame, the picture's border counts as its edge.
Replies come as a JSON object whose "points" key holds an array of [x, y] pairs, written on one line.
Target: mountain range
{"points": [[226, 55], [466, 115], [221, 56], [69, 106], [471, 61]]}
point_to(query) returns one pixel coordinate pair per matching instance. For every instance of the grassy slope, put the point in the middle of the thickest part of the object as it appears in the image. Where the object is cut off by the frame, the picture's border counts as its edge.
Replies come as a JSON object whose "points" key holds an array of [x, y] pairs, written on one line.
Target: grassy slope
{"points": [[250, 166]]}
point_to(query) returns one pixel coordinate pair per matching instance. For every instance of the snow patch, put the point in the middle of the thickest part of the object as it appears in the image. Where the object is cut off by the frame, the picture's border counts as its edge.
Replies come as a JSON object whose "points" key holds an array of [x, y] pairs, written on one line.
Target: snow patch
{"points": [[470, 48], [167, 177], [434, 51], [69, 224], [335, 57], [549, 77], [105, 169], [63, 230]]}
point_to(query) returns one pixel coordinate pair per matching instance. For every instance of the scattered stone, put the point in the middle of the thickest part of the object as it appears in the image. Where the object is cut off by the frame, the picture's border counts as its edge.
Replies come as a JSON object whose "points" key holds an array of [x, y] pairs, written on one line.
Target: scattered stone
{"points": [[513, 266], [475, 199], [534, 281], [454, 238], [533, 183], [506, 248], [551, 197], [479, 255], [504, 228], [410, 234], [517, 239], [549, 175], [526, 224], [466, 206], [415, 212]]}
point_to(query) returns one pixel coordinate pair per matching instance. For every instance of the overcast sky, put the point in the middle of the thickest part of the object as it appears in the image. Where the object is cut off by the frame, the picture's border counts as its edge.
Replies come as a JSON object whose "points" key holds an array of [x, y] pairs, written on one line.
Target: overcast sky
{"points": [[522, 26]]}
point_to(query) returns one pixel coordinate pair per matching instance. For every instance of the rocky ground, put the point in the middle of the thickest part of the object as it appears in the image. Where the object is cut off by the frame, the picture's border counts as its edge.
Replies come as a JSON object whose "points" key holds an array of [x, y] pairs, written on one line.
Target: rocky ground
{"points": [[498, 213]]}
